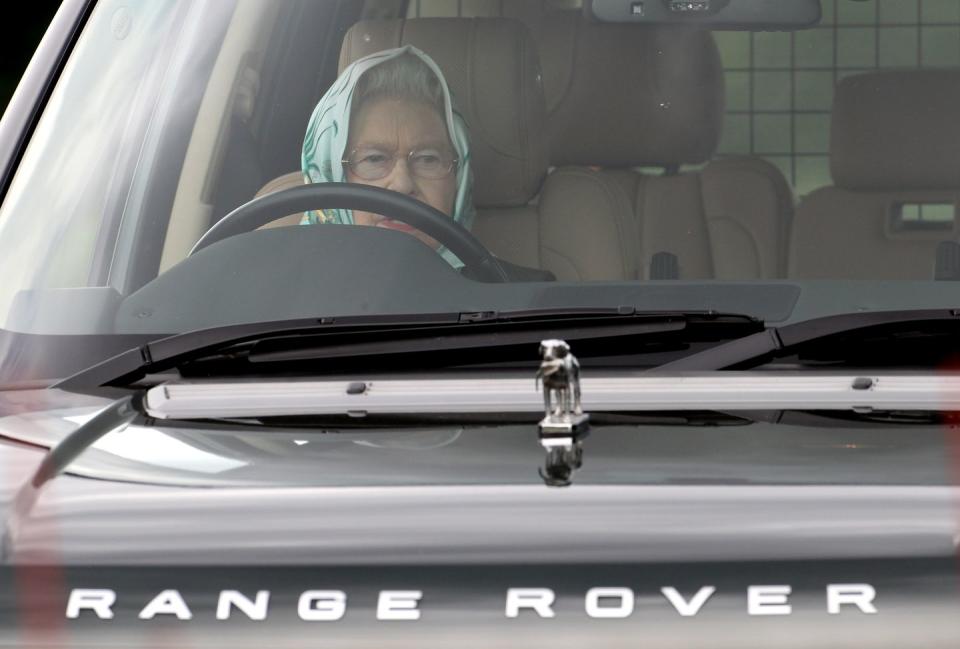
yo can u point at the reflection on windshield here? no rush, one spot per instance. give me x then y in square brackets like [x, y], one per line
[732, 162]
[61, 195]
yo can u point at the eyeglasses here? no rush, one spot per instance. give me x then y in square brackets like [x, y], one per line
[373, 164]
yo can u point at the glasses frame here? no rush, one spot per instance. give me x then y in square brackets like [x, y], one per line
[454, 164]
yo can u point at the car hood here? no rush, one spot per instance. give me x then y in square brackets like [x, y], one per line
[668, 487]
[460, 516]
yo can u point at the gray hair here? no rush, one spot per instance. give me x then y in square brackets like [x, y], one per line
[403, 77]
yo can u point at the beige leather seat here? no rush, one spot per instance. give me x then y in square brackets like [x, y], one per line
[893, 150]
[662, 107]
[285, 181]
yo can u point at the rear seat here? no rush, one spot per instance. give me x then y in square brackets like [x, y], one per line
[893, 147]
[662, 108]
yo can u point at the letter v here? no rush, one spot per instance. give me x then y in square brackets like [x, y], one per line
[685, 608]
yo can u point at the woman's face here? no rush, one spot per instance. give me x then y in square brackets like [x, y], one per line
[396, 127]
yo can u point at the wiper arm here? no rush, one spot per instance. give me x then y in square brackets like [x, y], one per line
[775, 342]
[119, 413]
[367, 336]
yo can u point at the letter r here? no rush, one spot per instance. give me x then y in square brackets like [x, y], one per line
[859, 595]
[538, 599]
[98, 600]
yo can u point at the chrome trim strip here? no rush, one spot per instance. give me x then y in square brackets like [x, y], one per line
[221, 399]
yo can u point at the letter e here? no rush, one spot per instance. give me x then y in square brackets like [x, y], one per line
[768, 600]
[398, 605]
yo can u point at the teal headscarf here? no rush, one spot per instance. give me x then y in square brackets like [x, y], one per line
[326, 140]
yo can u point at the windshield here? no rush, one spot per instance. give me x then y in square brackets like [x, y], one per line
[558, 161]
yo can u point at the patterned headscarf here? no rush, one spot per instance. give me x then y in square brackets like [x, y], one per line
[326, 139]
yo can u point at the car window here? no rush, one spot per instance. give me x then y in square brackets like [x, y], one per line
[591, 164]
[66, 187]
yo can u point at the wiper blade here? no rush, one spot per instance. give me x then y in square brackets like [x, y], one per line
[166, 351]
[369, 336]
[869, 327]
[496, 333]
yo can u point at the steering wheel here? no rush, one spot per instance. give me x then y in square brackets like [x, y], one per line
[352, 196]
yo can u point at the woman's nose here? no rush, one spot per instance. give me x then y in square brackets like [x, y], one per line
[400, 179]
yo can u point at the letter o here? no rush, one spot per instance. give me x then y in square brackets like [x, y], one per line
[622, 609]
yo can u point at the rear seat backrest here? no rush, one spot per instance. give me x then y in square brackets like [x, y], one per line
[620, 97]
[894, 143]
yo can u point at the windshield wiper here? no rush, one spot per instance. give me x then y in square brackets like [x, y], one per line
[119, 413]
[919, 337]
[476, 337]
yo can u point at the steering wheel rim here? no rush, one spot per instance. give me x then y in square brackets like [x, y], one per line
[354, 196]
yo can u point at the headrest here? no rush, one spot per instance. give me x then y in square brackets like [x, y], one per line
[621, 95]
[897, 131]
[493, 71]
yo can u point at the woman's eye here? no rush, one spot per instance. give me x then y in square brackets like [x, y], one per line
[428, 158]
[374, 158]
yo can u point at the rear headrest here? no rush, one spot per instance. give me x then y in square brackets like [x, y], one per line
[897, 131]
[493, 71]
[623, 96]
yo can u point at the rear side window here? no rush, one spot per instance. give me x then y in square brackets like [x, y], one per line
[780, 84]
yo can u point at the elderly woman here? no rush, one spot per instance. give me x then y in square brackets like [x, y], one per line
[389, 121]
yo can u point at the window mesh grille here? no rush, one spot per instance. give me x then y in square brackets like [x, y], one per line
[780, 84]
